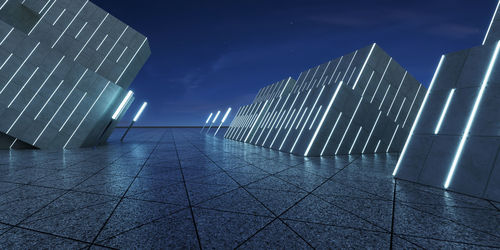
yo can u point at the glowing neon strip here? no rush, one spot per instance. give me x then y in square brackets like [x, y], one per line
[1, 7]
[323, 118]
[249, 119]
[286, 117]
[315, 117]
[41, 86]
[91, 107]
[123, 52]
[208, 119]
[112, 48]
[472, 116]
[385, 95]
[291, 126]
[81, 29]
[383, 75]
[392, 139]
[136, 117]
[399, 111]
[264, 125]
[70, 115]
[290, 118]
[397, 92]
[91, 36]
[245, 120]
[72, 20]
[6, 60]
[19, 68]
[122, 105]
[301, 118]
[371, 132]
[261, 123]
[13, 143]
[363, 67]
[40, 12]
[418, 116]
[355, 140]
[331, 133]
[233, 123]
[41, 18]
[445, 110]
[216, 116]
[352, 73]
[100, 44]
[348, 67]
[336, 79]
[240, 118]
[48, 100]
[273, 119]
[335, 71]
[378, 144]
[24, 85]
[256, 120]
[412, 103]
[349, 125]
[491, 23]
[322, 75]
[223, 120]
[57, 19]
[145, 39]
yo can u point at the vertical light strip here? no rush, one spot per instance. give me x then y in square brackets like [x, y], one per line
[44, 6]
[301, 118]
[348, 67]
[322, 75]
[308, 117]
[284, 120]
[13, 143]
[143, 42]
[19, 68]
[216, 116]
[392, 139]
[335, 70]
[323, 118]
[412, 103]
[397, 92]
[385, 95]
[57, 19]
[291, 126]
[371, 132]
[48, 100]
[290, 118]
[86, 114]
[123, 52]
[491, 23]
[383, 75]
[399, 111]
[71, 22]
[363, 67]
[315, 117]
[91, 36]
[256, 120]
[415, 122]
[249, 120]
[472, 116]
[276, 115]
[222, 121]
[349, 125]
[264, 125]
[352, 73]
[112, 48]
[81, 29]
[1, 7]
[330, 135]
[378, 144]
[103, 40]
[445, 110]
[355, 140]
[6, 60]
[122, 105]
[24, 85]
[36, 93]
[41, 18]
[71, 114]
[208, 119]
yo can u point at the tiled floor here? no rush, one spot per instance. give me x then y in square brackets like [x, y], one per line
[177, 188]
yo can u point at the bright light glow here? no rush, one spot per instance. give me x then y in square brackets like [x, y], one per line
[103, 40]
[91, 36]
[309, 116]
[385, 95]
[323, 118]
[335, 71]
[355, 140]
[40, 12]
[286, 117]
[48, 100]
[19, 68]
[120, 57]
[445, 110]
[472, 116]
[36, 93]
[364, 65]
[412, 103]
[86, 114]
[122, 105]
[489, 27]
[216, 116]
[71, 22]
[19, 92]
[112, 48]
[383, 75]
[71, 114]
[348, 126]
[291, 125]
[301, 117]
[1, 7]
[330, 135]
[81, 29]
[290, 118]
[208, 119]
[57, 19]
[378, 144]
[352, 73]
[136, 117]
[350, 63]
[371, 132]
[418, 117]
[6, 60]
[397, 92]
[256, 120]
[315, 117]
[400, 108]
[124, 70]
[41, 18]
[13, 143]
[392, 139]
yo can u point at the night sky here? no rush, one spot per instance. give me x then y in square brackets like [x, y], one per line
[209, 55]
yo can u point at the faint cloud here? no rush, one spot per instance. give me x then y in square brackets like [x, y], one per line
[454, 30]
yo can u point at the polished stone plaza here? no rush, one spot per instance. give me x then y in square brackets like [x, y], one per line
[177, 188]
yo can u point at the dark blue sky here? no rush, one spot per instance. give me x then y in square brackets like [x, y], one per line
[208, 55]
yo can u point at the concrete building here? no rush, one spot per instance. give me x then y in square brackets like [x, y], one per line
[65, 67]
[363, 102]
[455, 141]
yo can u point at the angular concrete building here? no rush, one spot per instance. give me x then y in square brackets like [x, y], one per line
[455, 141]
[363, 102]
[65, 67]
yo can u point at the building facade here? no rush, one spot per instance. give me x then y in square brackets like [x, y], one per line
[362, 102]
[65, 67]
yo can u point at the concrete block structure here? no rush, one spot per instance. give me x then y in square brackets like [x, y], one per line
[65, 67]
[455, 141]
[363, 102]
